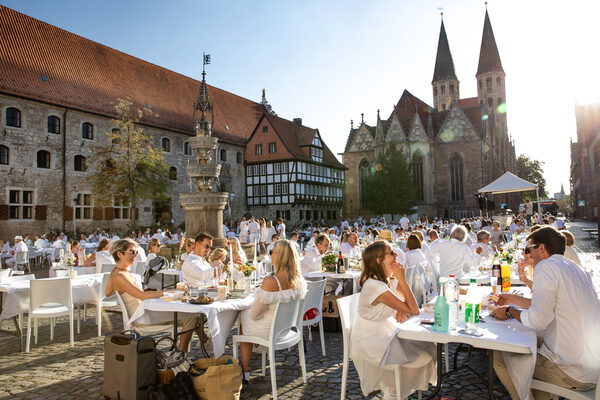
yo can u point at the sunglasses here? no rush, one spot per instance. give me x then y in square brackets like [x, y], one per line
[532, 246]
[132, 252]
[207, 247]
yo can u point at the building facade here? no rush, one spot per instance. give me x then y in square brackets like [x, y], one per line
[454, 147]
[57, 97]
[585, 162]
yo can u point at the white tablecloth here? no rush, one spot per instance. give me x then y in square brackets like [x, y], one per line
[220, 315]
[16, 294]
[518, 343]
[484, 278]
[350, 274]
[80, 270]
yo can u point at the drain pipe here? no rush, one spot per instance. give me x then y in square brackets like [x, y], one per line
[64, 167]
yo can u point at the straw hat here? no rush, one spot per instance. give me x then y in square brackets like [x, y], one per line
[386, 235]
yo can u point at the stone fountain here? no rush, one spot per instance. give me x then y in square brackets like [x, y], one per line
[204, 206]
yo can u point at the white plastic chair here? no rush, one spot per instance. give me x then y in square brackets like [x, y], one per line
[106, 268]
[140, 268]
[143, 330]
[49, 298]
[314, 299]
[101, 259]
[4, 273]
[347, 307]
[285, 332]
[15, 278]
[21, 258]
[103, 301]
[593, 394]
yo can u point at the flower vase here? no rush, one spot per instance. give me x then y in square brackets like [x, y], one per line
[246, 285]
[72, 273]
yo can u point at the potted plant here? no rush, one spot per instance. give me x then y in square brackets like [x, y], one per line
[329, 262]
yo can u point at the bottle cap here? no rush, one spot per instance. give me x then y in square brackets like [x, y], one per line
[451, 275]
[473, 280]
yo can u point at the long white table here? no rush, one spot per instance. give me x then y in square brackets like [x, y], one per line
[518, 342]
[349, 274]
[220, 315]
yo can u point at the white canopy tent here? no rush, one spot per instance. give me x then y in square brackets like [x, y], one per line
[510, 183]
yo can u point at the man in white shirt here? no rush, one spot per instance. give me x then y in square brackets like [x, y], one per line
[455, 255]
[483, 239]
[196, 269]
[281, 228]
[243, 230]
[350, 247]
[434, 238]
[274, 238]
[253, 229]
[564, 308]
[159, 236]
[311, 242]
[312, 257]
[294, 240]
[404, 222]
[19, 246]
[40, 242]
[63, 237]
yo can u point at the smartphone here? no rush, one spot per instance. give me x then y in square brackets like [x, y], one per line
[427, 322]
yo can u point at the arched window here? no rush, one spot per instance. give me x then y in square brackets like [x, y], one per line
[443, 89]
[364, 171]
[173, 173]
[498, 81]
[79, 163]
[417, 171]
[87, 131]
[451, 89]
[456, 178]
[43, 159]
[13, 117]
[488, 83]
[435, 91]
[4, 155]
[490, 102]
[166, 144]
[480, 84]
[187, 150]
[53, 124]
[223, 155]
[239, 157]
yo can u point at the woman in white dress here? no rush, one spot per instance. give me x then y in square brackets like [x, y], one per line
[285, 285]
[262, 237]
[385, 300]
[414, 255]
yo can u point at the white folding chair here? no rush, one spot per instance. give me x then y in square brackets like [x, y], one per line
[144, 330]
[21, 258]
[555, 391]
[286, 331]
[314, 299]
[103, 301]
[347, 307]
[49, 298]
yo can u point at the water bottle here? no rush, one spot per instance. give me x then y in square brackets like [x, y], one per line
[440, 320]
[452, 294]
[472, 307]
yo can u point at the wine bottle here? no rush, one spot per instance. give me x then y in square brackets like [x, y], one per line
[340, 264]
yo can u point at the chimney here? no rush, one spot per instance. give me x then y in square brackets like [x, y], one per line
[298, 121]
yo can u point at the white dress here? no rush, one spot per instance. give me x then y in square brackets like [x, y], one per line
[257, 320]
[373, 331]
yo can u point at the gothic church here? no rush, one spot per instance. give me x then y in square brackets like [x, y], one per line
[454, 147]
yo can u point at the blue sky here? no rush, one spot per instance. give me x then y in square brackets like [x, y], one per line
[329, 61]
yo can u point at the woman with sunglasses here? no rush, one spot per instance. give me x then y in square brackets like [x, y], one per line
[124, 252]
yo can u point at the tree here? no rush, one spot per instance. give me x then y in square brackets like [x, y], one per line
[532, 171]
[390, 188]
[129, 168]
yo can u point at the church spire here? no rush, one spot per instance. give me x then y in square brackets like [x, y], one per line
[444, 66]
[489, 57]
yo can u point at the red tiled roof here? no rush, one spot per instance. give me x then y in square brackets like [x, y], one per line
[468, 102]
[85, 75]
[407, 106]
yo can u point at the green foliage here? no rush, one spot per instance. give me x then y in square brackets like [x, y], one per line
[129, 166]
[390, 188]
[532, 171]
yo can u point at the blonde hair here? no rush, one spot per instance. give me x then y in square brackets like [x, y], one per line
[120, 245]
[217, 254]
[419, 235]
[287, 260]
[189, 242]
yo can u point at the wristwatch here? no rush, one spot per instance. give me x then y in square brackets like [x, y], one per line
[507, 312]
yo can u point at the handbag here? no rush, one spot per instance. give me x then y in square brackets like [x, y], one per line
[180, 388]
[217, 379]
[170, 362]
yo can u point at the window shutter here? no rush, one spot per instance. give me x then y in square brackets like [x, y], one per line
[97, 214]
[109, 213]
[3, 212]
[68, 213]
[41, 213]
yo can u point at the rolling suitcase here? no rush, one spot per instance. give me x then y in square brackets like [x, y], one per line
[129, 366]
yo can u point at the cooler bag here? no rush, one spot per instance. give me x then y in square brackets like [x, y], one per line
[129, 366]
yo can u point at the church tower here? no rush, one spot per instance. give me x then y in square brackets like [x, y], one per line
[491, 88]
[445, 84]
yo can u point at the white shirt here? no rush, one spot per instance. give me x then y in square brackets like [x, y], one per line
[455, 256]
[404, 223]
[159, 236]
[486, 249]
[311, 261]
[281, 230]
[351, 252]
[141, 256]
[20, 246]
[253, 227]
[196, 269]
[40, 243]
[565, 307]
[413, 258]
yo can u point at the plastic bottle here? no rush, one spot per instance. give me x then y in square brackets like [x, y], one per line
[472, 307]
[452, 294]
[505, 274]
[440, 321]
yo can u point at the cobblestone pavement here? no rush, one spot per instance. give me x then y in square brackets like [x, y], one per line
[55, 371]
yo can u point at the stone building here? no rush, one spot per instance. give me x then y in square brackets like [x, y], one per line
[585, 162]
[455, 147]
[57, 97]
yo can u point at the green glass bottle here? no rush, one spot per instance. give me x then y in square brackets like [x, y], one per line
[441, 311]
